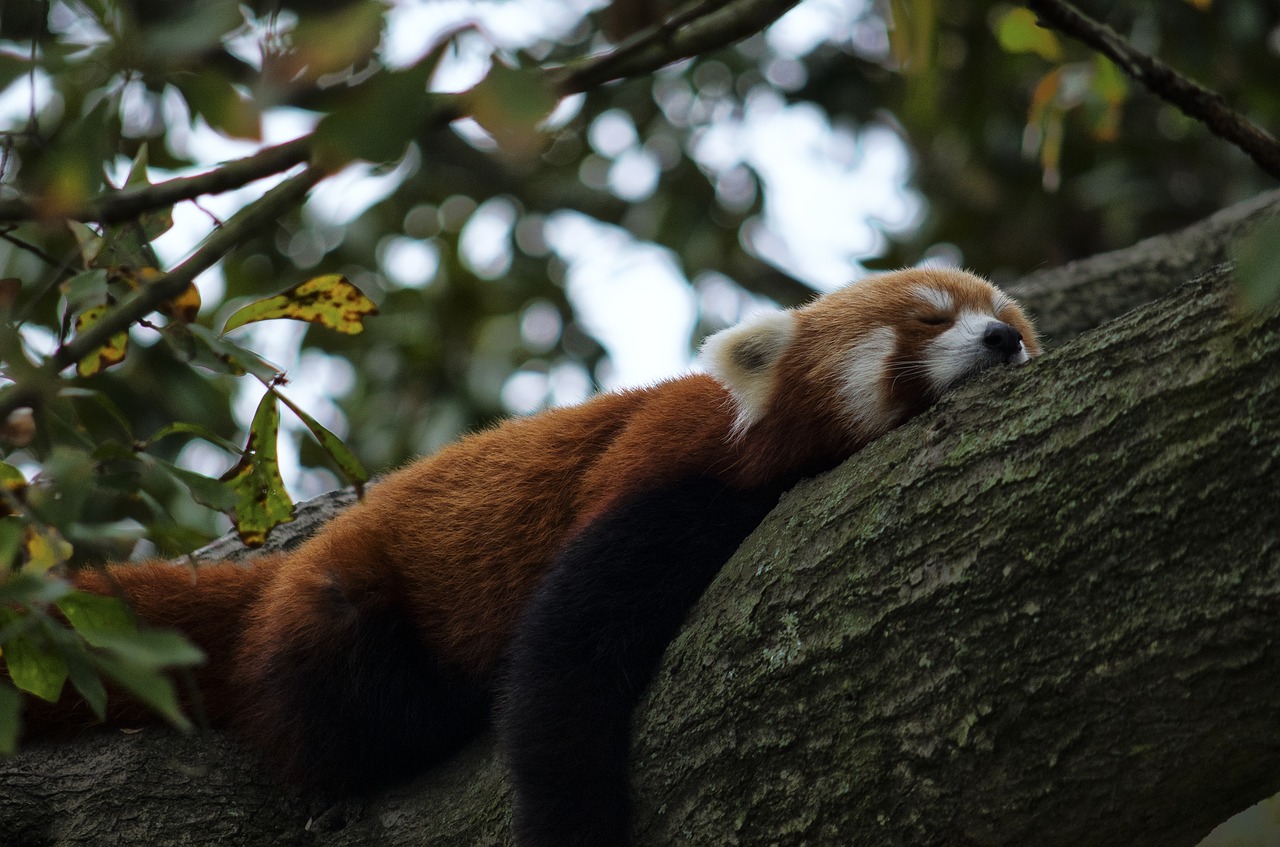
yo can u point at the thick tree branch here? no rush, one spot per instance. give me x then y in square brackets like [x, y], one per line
[1042, 613]
[1080, 295]
[1195, 100]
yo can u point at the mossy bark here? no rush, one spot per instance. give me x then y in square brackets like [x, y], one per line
[1045, 612]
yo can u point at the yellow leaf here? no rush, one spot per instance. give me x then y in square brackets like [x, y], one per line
[329, 300]
[45, 548]
[1019, 31]
[111, 353]
[1045, 92]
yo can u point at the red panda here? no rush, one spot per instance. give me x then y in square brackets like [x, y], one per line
[539, 569]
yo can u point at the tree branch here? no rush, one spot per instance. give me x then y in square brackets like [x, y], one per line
[696, 28]
[252, 219]
[1195, 100]
[128, 203]
[1080, 295]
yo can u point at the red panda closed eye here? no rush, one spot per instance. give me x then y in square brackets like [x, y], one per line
[542, 566]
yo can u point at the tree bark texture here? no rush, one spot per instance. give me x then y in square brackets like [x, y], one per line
[1044, 612]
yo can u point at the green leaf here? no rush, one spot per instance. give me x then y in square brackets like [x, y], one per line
[183, 428]
[154, 223]
[212, 96]
[328, 300]
[376, 120]
[96, 616]
[342, 456]
[511, 105]
[188, 31]
[12, 530]
[10, 718]
[35, 670]
[86, 290]
[239, 359]
[84, 678]
[33, 589]
[331, 42]
[1257, 258]
[1018, 32]
[103, 402]
[71, 472]
[146, 684]
[1108, 81]
[14, 622]
[150, 648]
[215, 494]
[262, 501]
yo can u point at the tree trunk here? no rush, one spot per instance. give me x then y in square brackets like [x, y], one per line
[1044, 612]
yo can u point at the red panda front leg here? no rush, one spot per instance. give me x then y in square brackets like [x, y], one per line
[588, 643]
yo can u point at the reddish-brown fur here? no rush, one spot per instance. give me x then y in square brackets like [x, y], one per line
[462, 538]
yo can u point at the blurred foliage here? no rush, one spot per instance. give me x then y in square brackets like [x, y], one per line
[1028, 149]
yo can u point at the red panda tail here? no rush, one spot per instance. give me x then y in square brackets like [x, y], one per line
[208, 605]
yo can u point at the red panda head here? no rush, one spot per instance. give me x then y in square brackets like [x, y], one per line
[868, 356]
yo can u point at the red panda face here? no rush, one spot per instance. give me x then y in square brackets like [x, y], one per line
[870, 355]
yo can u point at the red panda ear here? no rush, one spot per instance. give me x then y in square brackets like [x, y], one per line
[744, 358]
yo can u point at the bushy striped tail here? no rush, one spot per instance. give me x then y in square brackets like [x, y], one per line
[208, 605]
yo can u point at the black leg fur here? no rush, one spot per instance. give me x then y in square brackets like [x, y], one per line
[367, 708]
[588, 644]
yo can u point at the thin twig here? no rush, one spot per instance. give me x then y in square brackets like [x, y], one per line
[1195, 100]
[696, 29]
[34, 249]
[129, 203]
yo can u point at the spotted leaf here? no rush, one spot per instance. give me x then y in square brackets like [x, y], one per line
[261, 499]
[328, 300]
[111, 353]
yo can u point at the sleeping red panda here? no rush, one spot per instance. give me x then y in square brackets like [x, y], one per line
[541, 567]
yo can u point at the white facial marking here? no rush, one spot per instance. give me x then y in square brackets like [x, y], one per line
[956, 352]
[863, 377]
[940, 300]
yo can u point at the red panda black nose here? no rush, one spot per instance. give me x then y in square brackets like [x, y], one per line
[1002, 339]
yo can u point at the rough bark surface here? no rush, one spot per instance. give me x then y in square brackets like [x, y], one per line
[1080, 295]
[1045, 612]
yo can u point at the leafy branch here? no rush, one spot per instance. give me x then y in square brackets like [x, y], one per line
[698, 28]
[253, 218]
[1206, 106]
